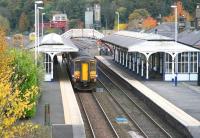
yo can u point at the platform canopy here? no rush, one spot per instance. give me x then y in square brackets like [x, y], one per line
[54, 43]
[147, 43]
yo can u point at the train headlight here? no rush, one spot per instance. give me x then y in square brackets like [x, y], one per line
[77, 74]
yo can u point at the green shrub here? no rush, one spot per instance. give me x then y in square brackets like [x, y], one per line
[27, 76]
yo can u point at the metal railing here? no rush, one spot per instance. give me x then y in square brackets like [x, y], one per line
[88, 33]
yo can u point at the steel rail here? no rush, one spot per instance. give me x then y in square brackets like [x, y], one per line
[107, 119]
[85, 112]
[142, 110]
[106, 116]
[134, 122]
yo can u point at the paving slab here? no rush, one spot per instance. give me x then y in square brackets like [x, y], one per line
[51, 94]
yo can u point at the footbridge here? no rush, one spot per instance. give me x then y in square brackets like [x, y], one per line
[85, 33]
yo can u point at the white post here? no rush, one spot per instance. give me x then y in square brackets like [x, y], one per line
[173, 59]
[116, 55]
[38, 30]
[38, 15]
[35, 34]
[161, 65]
[121, 56]
[126, 59]
[133, 59]
[123, 59]
[43, 24]
[176, 26]
[52, 66]
[147, 68]
[117, 20]
[130, 61]
[142, 69]
[137, 65]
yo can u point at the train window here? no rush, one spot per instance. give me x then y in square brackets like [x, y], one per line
[92, 65]
[77, 66]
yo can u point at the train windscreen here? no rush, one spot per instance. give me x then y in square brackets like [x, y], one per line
[92, 66]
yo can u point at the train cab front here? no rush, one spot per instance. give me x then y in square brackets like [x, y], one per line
[85, 75]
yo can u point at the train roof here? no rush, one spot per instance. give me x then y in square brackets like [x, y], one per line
[80, 56]
[84, 58]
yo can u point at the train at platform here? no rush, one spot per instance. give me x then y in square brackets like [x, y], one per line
[83, 71]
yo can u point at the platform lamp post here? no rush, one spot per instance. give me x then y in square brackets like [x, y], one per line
[176, 16]
[117, 20]
[176, 36]
[43, 24]
[36, 3]
[38, 35]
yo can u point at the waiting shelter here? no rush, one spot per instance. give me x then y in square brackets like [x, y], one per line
[154, 56]
[51, 45]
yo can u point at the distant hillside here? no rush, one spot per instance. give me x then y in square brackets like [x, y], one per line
[21, 12]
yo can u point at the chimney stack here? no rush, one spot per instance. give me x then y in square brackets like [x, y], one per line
[181, 23]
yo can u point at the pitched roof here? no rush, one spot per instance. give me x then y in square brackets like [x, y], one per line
[146, 43]
[54, 43]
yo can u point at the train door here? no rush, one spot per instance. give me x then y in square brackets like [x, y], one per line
[84, 71]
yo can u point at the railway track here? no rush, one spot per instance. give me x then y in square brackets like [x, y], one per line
[99, 124]
[144, 122]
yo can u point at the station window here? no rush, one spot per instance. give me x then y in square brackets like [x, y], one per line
[183, 62]
[193, 62]
[168, 63]
[47, 63]
[187, 62]
[77, 66]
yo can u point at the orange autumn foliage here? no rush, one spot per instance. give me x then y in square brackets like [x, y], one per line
[180, 12]
[149, 23]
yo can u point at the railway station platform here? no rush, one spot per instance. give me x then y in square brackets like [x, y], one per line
[65, 116]
[179, 105]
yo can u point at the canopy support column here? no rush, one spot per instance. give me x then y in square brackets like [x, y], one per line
[147, 69]
[52, 55]
[130, 61]
[117, 55]
[114, 53]
[126, 59]
[120, 57]
[133, 59]
[123, 58]
[173, 64]
[142, 69]
[147, 55]
[137, 59]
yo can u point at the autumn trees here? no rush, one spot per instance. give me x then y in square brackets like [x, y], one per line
[14, 11]
[4, 23]
[180, 11]
[18, 90]
[141, 19]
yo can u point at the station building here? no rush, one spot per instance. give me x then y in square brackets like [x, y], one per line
[153, 56]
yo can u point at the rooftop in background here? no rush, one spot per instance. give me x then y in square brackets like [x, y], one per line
[165, 29]
[189, 37]
[144, 36]
[146, 43]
